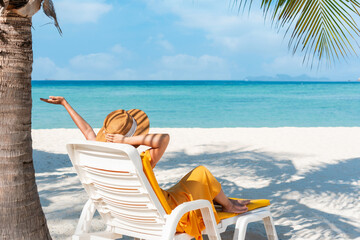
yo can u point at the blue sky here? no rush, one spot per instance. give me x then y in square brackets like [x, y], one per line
[165, 40]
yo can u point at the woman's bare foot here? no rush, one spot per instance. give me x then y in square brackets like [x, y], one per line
[236, 206]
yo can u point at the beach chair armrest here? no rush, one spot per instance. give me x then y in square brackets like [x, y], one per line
[207, 213]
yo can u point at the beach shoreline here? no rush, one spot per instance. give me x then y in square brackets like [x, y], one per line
[310, 175]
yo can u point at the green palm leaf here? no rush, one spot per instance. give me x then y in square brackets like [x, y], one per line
[322, 29]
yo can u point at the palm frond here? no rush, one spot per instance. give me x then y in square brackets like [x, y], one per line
[49, 11]
[322, 29]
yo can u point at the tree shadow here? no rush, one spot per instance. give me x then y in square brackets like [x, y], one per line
[61, 194]
[242, 173]
[273, 176]
[50, 162]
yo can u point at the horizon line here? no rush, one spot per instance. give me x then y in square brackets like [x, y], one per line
[245, 81]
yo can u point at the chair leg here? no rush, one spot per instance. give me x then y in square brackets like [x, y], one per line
[210, 224]
[240, 229]
[207, 214]
[86, 216]
[270, 228]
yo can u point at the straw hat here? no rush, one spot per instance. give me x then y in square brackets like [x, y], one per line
[128, 123]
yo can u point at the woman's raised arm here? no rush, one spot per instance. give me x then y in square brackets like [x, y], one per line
[157, 142]
[84, 127]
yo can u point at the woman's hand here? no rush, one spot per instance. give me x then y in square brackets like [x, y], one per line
[115, 138]
[54, 100]
[84, 127]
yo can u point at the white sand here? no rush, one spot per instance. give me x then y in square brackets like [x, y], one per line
[311, 175]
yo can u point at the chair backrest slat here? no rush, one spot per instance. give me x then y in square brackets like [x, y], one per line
[112, 176]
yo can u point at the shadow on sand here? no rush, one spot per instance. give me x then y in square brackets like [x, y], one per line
[294, 217]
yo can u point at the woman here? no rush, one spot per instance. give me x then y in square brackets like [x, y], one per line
[132, 127]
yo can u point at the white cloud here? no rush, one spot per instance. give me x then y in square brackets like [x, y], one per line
[121, 52]
[287, 64]
[81, 11]
[162, 42]
[45, 64]
[106, 66]
[45, 69]
[186, 67]
[247, 36]
[95, 61]
[93, 66]
[223, 25]
[118, 49]
[181, 61]
[240, 36]
[125, 74]
[165, 44]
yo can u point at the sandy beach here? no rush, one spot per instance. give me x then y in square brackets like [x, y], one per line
[311, 175]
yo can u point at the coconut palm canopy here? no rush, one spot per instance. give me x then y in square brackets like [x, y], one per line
[322, 29]
[29, 8]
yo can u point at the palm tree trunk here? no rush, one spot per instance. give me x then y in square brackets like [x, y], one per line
[21, 215]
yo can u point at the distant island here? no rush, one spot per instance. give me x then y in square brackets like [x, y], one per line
[287, 78]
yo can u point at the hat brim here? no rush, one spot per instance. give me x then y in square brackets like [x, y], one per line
[142, 121]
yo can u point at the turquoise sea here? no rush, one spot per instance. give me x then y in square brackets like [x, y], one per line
[205, 104]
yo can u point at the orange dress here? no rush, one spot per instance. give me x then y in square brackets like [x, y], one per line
[197, 184]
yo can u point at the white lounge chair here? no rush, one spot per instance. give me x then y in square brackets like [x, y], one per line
[112, 175]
